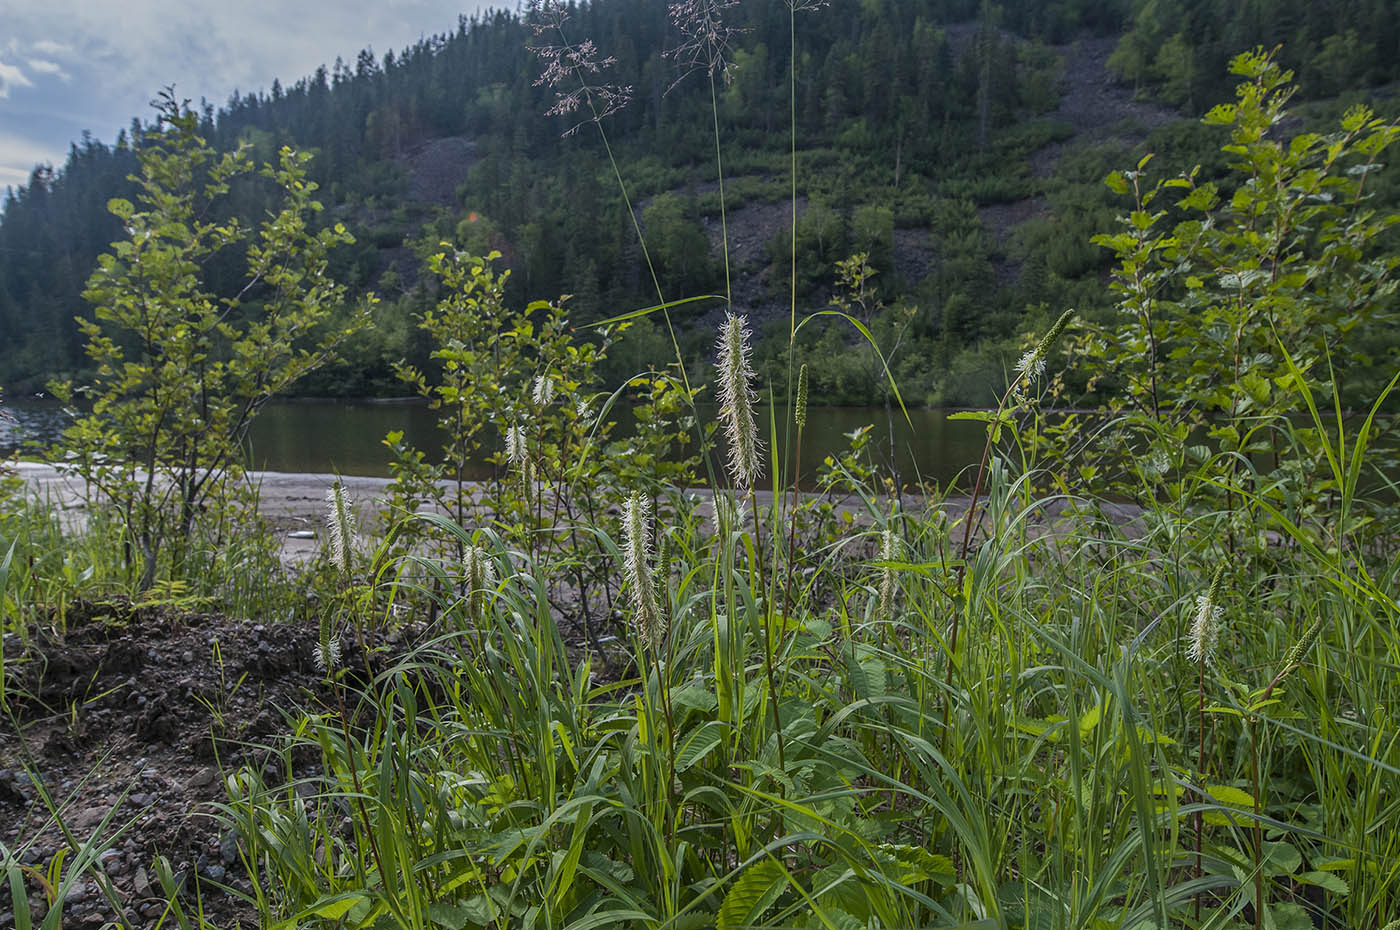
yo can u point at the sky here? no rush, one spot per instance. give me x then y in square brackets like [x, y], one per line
[69, 66]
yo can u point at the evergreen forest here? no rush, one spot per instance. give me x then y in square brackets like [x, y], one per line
[960, 145]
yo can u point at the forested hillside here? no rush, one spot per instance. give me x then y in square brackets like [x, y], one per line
[960, 144]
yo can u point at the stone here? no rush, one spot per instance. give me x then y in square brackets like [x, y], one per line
[203, 778]
[228, 848]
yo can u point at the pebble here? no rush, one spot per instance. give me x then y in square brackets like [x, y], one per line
[78, 892]
[228, 848]
[203, 777]
[114, 862]
[215, 873]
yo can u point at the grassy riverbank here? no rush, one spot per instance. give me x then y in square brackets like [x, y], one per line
[1129, 729]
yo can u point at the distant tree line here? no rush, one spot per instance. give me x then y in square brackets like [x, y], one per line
[913, 118]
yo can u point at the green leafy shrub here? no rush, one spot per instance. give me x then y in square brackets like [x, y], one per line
[182, 371]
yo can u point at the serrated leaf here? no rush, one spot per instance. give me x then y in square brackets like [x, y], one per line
[695, 697]
[480, 909]
[751, 895]
[1326, 881]
[448, 916]
[1287, 916]
[1281, 858]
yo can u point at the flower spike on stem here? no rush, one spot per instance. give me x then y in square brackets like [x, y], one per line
[737, 398]
[650, 625]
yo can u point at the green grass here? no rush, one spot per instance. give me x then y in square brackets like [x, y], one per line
[1052, 780]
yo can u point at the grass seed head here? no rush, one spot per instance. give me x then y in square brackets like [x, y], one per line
[544, 391]
[328, 653]
[1032, 365]
[637, 566]
[480, 577]
[515, 444]
[736, 399]
[799, 415]
[340, 522]
[889, 551]
[1205, 627]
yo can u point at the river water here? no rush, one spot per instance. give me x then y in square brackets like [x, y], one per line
[346, 437]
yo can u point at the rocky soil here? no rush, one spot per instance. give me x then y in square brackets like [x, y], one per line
[126, 724]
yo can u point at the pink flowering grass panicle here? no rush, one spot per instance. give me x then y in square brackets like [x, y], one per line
[705, 38]
[567, 64]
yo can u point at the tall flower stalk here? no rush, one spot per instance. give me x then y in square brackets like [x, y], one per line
[737, 398]
[704, 46]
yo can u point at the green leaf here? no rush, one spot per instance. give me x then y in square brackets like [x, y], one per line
[751, 895]
[1281, 859]
[1327, 881]
[1090, 720]
[480, 909]
[449, 916]
[867, 673]
[696, 697]
[18, 898]
[1228, 795]
[1287, 916]
[337, 907]
[569, 867]
[699, 744]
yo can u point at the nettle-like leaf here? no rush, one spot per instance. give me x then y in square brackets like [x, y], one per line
[754, 892]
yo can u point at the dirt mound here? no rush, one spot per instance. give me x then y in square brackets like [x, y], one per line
[129, 721]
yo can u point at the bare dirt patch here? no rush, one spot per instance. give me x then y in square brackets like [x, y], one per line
[129, 721]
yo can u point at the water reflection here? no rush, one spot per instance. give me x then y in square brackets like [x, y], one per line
[348, 436]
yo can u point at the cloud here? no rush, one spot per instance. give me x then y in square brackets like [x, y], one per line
[10, 77]
[112, 56]
[44, 66]
[50, 47]
[18, 156]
